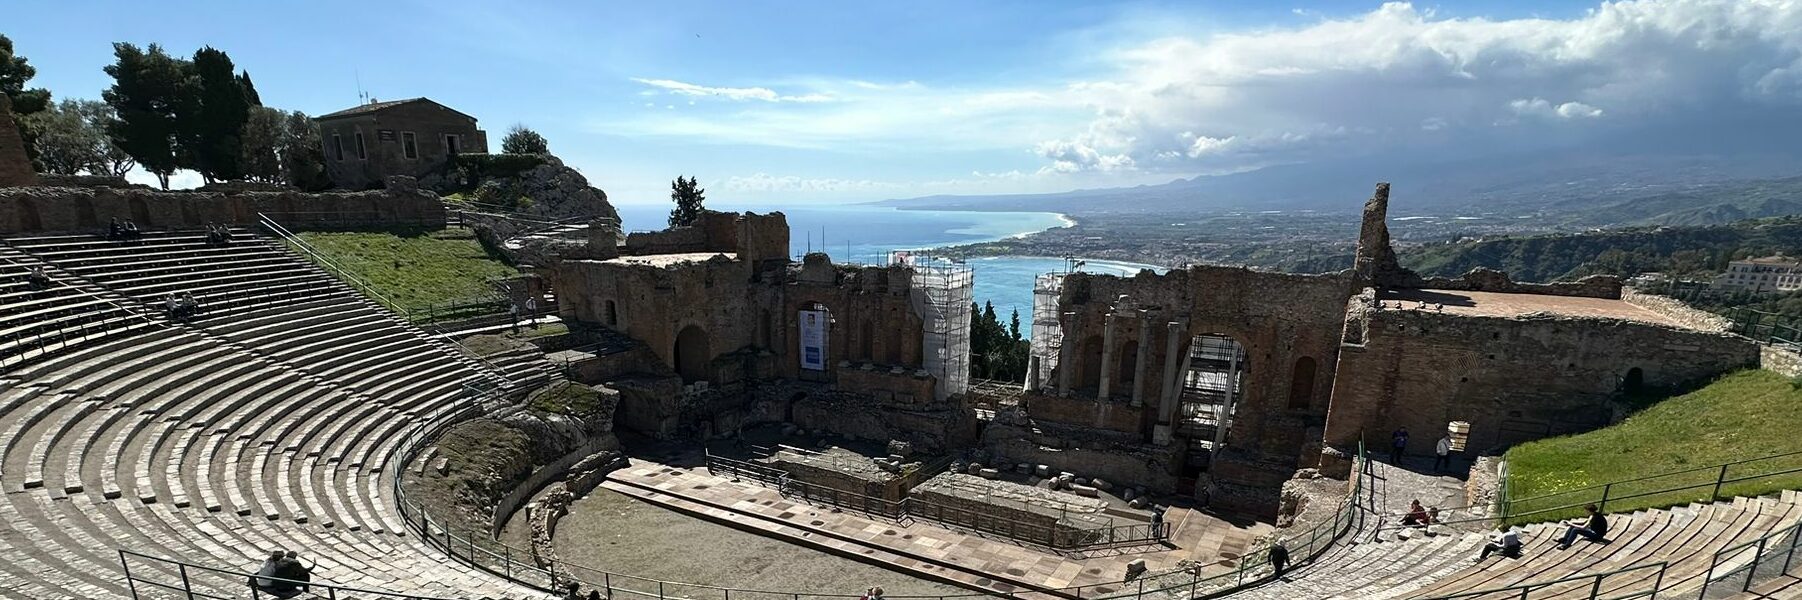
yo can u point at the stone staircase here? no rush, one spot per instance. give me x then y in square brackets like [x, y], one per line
[272, 421]
[1424, 566]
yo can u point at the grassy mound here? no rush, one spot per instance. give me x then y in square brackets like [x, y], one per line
[415, 269]
[566, 398]
[1672, 450]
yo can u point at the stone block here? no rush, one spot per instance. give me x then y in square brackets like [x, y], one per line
[1083, 490]
[1100, 484]
[989, 473]
[975, 468]
[1042, 470]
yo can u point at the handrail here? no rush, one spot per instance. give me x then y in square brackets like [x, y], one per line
[337, 269]
[1251, 572]
[1595, 588]
[130, 313]
[1510, 506]
[1665, 474]
[359, 284]
[1773, 542]
[238, 580]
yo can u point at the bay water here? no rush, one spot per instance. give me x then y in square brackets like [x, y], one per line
[863, 233]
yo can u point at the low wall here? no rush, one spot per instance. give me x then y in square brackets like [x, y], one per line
[1782, 360]
[1676, 310]
[46, 209]
[1113, 415]
[1490, 280]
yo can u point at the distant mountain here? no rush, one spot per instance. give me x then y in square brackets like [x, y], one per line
[1621, 252]
[1580, 188]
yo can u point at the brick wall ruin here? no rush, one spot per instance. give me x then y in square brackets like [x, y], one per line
[15, 164]
[40, 209]
[1513, 378]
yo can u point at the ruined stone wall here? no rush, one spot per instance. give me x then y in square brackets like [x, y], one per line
[1278, 318]
[15, 164]
[35, 209]
[888, 384]
[756, 238]
[1122, 460]
[1112, 415]
[1490, 280]
[654, 302]
[1782, 360]
[873, 319]
[1513, 379]
[930, 427]
[1676, 310]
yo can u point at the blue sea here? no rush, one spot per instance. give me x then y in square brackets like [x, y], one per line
[866, 234]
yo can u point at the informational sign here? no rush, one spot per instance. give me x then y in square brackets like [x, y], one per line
[813, 339]
[386, 135]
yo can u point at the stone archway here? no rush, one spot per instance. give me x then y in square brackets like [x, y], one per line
[1090, 362]
[692, 354]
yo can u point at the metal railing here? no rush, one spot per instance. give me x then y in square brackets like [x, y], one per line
[1255, 568]
[1701, 484]
[82, 327]
[1055, 531]
[1736, 568]
[359, 284]
[321, 259]
[1589, 587]
[163, 577]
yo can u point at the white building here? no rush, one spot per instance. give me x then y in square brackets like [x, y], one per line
[1768, 275]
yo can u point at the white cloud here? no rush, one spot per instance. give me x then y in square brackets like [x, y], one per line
[764, 182]
[729, 93]
[1396, 79]
[182, 179]
[1540, 107]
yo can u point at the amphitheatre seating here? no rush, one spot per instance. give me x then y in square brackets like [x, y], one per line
[269, 423]
[1685, 537]
[69, 313]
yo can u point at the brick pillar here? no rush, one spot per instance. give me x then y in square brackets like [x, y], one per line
[1144, 357]
[1066, 362]
[15, 166]
[1107, 357]
[1173, 373]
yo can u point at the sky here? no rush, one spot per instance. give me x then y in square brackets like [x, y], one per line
[825, 102]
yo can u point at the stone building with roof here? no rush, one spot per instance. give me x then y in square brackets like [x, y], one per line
[1767, 275]
[366, 143]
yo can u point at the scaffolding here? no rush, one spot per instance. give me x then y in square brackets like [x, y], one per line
[1213, 376]
[941, 295]
[1047, 333]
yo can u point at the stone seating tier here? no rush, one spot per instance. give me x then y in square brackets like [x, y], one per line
[269, 423]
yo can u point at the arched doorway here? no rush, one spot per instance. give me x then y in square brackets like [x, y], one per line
[1301, 383]
[692, 354]
[612, 314]
[1634, 382]
[1129, 368]
[1091, 363]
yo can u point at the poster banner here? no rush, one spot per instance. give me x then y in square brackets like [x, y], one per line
[813, 340]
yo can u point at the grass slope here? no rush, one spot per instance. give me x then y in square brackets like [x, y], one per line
[1676, 443]
[415, 268]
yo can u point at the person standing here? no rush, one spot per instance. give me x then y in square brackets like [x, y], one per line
[1398, 443]
[1442, 454]
[1279, 558]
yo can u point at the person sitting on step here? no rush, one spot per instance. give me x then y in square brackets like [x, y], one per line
[1594, 529]
[1417, 515]
[1506, 542]
[37, 280]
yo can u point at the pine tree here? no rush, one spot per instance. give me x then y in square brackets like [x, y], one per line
[688, 196]
[210, 122]
[147, 91]
[14, 72]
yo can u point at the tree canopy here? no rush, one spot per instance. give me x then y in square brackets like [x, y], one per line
[71, 139]
[522, 140]
[688, 196]
[147, 93]
[15, 71]
[997, 350]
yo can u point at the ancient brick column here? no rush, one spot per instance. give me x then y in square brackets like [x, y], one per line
[1144, 357]
[1107, 356]
[1175, 331]
[15, 166]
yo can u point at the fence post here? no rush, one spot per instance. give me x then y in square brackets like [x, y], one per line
[129, 582]
[1718, 480]
[1603, 507]
[1596, 590]
[1752, 567]
[186, 587]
